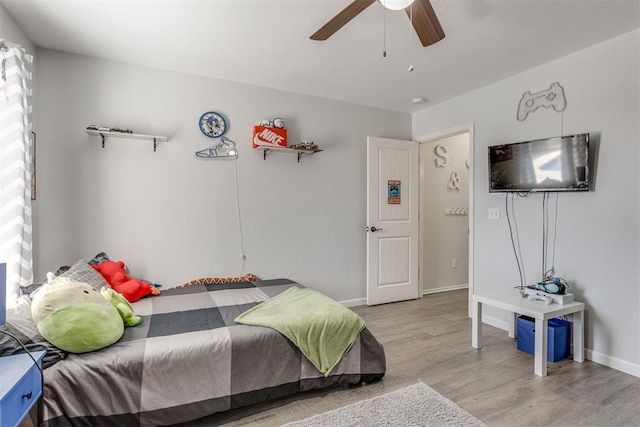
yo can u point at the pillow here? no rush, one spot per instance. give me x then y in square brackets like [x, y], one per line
[83, 272]
[30, 289]
[21, 326]
[249, 277]
[102, 257]
[98, 259]
[62, 269]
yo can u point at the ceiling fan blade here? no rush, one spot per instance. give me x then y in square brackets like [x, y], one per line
[425, 22]
[338, 21]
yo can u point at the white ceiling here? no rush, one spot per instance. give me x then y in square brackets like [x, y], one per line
[266, 42]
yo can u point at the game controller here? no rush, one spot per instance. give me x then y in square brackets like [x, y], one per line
[552, 97]
[547, 299]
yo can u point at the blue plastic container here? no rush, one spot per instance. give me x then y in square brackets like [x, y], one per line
[557, 337]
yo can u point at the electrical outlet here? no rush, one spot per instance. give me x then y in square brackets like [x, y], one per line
[494, 214]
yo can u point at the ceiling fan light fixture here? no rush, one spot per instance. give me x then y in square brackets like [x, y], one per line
[423, 19]
[396, 4]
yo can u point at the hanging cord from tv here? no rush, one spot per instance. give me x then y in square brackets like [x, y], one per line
[545, 231]
[515, 241]
[25, 350]
[548, 272]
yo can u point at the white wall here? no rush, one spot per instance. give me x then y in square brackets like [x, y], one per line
[172, 217]
[9, 30]
[598, 233]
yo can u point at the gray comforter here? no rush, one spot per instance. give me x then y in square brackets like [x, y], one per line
[189, 359]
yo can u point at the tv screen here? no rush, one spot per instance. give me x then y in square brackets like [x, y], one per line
[552, 164]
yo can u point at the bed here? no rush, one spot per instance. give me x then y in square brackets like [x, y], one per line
[189, 359]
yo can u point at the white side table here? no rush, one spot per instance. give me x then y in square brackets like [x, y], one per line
[511, 300]
[20, 386]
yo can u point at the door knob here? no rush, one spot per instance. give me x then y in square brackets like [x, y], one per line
[374, 229]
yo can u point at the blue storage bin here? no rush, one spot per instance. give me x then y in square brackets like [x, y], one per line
[557, 337]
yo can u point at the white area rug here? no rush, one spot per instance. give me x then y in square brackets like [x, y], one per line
[416, 405]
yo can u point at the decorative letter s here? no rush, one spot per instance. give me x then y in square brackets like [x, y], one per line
[443, 157]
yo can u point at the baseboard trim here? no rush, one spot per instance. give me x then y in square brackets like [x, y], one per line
[495, 322]
[594, 356]
[354, 302]
[363, 301]
[612, 362]
[445, 289]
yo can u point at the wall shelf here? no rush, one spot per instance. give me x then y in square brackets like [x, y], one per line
[299, 152]
[124, 135]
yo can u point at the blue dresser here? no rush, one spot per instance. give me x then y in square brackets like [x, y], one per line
[20, 387]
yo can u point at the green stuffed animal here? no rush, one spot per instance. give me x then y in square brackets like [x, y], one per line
[74, 316]
[122, 305]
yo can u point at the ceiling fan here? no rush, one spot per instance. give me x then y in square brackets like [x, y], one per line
[423, 18]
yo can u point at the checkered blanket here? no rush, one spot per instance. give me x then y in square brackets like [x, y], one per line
[189, 359]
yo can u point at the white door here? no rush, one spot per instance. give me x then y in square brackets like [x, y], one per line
[392, 220]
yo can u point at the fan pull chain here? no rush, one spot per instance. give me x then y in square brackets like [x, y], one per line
[410, 37]
[384, 32]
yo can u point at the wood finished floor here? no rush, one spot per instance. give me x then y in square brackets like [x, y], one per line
[430, 340]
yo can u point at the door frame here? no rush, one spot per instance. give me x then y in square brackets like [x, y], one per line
[457, 130]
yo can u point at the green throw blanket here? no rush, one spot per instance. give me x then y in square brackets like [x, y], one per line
[323, 329]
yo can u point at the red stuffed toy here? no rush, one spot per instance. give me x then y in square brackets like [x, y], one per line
[132, 289]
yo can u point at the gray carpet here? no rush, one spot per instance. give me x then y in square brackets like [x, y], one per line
[416, 405]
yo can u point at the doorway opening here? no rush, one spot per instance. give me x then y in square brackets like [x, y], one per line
[446, 211]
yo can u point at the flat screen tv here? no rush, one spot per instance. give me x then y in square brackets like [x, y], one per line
[551, 164]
